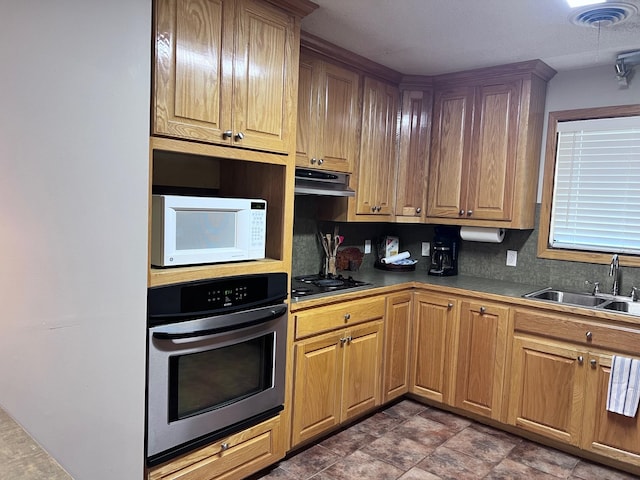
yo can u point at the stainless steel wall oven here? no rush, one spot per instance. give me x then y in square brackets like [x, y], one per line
[216, 360]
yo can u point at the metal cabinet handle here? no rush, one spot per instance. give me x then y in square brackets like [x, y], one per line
[227, 134]
[589, 336]
[593, 362]
[450, 306]
[373, 209]
[461, 212]
[379, 208]
[224, 446]
[580, 359]
[347, 316]
[418, 210]
[313, 161]
[469, 213]
[320, 161]
[239, 136]
[343, 340]
[349, 339]
[482, 310]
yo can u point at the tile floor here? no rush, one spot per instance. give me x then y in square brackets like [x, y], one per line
[410, 441]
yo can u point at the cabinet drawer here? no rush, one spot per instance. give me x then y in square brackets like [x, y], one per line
[581, 331]
[324, 319]
[234, 457]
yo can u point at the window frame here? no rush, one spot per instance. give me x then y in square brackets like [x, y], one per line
[544, 249]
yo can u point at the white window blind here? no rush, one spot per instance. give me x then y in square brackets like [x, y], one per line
[596, 193]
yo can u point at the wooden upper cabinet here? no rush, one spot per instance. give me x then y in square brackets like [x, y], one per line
[225, 73]
[375, 189]
[485, 146]
[473, 153]
[413, 157]
[328, 115]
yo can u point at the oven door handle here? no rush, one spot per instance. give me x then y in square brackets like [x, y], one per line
[211, 325]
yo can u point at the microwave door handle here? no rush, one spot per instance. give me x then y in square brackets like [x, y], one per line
[210, 325]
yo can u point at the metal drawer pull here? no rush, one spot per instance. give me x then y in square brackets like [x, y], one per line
[347, 316]
[580, 359]
[482, 310]
[227, 134]
[224, 446]
[593, 363]
[589, 336]
[450, 306]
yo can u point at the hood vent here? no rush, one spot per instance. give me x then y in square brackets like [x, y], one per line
[322, 182]
[603, 15]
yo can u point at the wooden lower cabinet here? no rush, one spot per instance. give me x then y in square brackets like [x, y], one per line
[432, 353]
[232, 458]
[337, 376]
[603, 432]
[547, 385]
[481, 358]
[397, 333]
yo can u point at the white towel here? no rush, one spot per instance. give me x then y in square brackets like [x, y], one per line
[624, 386]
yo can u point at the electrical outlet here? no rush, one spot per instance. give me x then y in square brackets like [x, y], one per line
[512, 258]
[426, 249]
[367, 246]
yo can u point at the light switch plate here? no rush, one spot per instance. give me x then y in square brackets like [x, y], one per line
[512, 258]
[426, 249]
[367, 246]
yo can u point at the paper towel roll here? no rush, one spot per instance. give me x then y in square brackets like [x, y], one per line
[482, 234]
[395, 258]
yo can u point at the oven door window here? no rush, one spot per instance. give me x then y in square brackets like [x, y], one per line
[204, 381]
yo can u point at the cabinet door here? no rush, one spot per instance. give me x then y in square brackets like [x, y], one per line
[492, 162]
[397, 331]
[413, 158]
[452, 114]
[433, 360]
[547, 383]
[481, 358]
[361, 386]
[339, 129]
[192, 77]
[307, 131]
[264, 82]
[317, 386]
[377, 170]
[328, 116]
[606, 433]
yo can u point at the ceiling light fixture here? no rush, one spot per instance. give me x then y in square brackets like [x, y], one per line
[582, 3]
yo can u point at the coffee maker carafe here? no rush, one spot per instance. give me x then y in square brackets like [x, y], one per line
[444, 257]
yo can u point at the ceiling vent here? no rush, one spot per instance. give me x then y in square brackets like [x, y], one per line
[603, 15]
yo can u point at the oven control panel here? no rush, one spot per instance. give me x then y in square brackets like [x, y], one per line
[215, 296]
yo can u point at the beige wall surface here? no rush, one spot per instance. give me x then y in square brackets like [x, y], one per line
[585, 88]
[74, 129]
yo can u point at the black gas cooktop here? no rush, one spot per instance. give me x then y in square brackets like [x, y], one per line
[306, 285]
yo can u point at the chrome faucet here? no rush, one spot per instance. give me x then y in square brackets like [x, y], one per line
[614, 271]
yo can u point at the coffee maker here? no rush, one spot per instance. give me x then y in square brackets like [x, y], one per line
[444, 253]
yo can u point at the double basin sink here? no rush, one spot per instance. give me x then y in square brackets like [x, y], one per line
[599, 301]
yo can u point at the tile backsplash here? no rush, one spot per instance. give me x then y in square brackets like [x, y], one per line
[475, 258]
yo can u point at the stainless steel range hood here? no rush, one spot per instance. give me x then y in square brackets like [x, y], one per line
[322, 182]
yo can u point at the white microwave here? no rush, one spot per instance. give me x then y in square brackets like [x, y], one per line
[188, 230]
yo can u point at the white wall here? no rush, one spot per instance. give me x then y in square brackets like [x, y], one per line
[74, 129]
[589, 87]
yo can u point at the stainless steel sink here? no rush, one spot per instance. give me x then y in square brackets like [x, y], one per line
[571, 298]
[632, 308]
[599, 301]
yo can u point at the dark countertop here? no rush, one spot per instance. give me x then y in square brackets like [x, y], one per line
[21, 458]
[384, 280]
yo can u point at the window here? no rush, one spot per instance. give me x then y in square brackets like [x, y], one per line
[591, 194]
